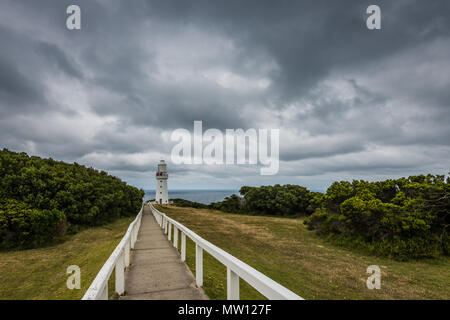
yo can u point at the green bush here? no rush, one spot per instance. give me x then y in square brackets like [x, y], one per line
[275, 200]
[22, 226]
[86, 196]
[186, 203]
[232, 204]
[404, 218]
[270, 200]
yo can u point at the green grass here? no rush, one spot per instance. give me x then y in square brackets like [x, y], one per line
[284, 250]
[41, 273]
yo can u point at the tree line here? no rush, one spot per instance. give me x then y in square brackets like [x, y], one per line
[42, 199]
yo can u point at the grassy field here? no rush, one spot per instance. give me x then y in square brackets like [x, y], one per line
[284, 250]
[41, 273]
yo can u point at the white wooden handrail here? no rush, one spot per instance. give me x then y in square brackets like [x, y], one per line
[236, 269]
[118, 260]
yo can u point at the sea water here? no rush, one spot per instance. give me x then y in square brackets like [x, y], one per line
[202, 196]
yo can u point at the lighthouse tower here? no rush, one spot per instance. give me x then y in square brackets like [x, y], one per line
[162, 194]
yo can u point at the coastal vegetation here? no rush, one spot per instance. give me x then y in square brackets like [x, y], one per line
[406, 218]
[42, 199]
[403, 218]
[187, 203]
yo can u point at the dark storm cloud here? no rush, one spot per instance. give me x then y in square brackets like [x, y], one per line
[15, 89]
[310, 38]
[23, 63]
[111, 93]
[18, 90]
[57, 58]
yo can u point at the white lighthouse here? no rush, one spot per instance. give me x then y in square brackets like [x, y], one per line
[162, 194]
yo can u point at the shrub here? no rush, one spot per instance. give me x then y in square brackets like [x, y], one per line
[404, 218]
[233, 204]
[86, 196]
[186, 203]
[23, 226]
[274, 200]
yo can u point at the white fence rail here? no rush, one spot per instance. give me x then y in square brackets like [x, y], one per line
[236, 269]
[119, 260]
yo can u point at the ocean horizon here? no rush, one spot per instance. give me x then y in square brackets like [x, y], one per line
[196, 195]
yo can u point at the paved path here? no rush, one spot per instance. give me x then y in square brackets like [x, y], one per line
[156, 271]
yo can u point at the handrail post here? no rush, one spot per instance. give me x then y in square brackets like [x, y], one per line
[175, 237]
[232, 285]
[120, 275]
[198, 265]
[126, 255]
[133, 236]
[183, 246]
[169, 235]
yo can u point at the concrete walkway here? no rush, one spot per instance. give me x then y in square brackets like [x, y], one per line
[156, 271]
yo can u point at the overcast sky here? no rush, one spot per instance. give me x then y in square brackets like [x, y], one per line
[350, 103]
